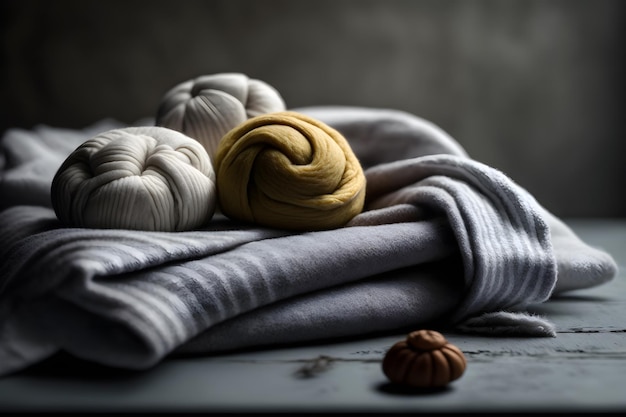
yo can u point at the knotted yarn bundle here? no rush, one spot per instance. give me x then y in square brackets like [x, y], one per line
[207, 107]
[142, 178]
[289, 171]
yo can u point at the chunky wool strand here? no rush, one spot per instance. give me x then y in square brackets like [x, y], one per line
[207, 107]
[142, 178]
[289, 171]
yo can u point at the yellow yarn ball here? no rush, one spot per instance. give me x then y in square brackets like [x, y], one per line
[289, 171]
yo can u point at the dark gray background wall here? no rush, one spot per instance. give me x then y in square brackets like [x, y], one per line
[534, 88]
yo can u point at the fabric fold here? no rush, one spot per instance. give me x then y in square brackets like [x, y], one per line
[162, 288]
[499, 229]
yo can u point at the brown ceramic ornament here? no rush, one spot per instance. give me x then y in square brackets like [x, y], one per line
[424, 360]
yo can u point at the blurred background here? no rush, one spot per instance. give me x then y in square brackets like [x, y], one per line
[532, 87]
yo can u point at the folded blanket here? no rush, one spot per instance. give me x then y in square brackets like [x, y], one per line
[444, 240]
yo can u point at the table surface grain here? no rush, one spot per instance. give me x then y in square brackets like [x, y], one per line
[583, 369]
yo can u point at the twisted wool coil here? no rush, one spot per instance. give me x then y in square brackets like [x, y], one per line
[289, 171]
[142, 178]
[207, 107]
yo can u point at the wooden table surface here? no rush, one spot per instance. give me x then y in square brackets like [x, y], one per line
[583, 369]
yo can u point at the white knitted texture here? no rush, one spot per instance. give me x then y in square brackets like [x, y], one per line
[142, 178]
[207, 107]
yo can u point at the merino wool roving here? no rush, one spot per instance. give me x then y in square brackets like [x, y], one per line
[142, 178]
[289, 171]
[207, 107]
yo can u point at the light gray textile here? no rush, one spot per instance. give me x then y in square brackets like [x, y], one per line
[509, 323]
[444, 239]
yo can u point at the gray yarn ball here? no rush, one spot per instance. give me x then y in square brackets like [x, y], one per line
[207, 107]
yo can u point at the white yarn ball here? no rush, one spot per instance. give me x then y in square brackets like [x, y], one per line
[142, 178]
[207, 107]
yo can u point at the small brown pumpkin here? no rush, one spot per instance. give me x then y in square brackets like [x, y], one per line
[424, 360]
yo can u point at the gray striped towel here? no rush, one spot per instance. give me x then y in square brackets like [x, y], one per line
[444, 241]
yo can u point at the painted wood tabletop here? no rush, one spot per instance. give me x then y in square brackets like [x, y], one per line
[583, 369]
